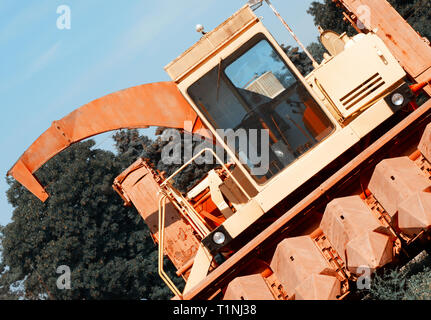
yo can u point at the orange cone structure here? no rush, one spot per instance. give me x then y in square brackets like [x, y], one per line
[395, 180]
[351, 228]
[294, 261]
[372, 250]
[251, 287]
[414, 214]
[400, 186]
[318, 287]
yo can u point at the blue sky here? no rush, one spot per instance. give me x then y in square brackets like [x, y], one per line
[45, 73]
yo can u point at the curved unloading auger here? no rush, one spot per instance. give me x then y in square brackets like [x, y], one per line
[155, 104]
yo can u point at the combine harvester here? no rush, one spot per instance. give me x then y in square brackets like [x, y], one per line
[348, 186]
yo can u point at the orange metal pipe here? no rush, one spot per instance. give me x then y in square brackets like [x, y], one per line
[415, 155]
[365, 195]
[416, 88]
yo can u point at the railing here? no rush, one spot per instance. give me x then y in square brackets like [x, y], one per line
[218, 160]
[162, 273]
[191, 214]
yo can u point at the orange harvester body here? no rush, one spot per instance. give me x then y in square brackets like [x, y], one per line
[235, 237]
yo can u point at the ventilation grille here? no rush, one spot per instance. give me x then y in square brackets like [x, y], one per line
[362, 91]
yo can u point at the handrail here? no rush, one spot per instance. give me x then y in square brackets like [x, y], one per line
[162, 207]
[218, 159]
[162, 273]
[196, 220]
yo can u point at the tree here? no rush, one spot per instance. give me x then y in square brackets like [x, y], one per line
[84, 226]
[329, 16]
[299, 59]
[412, 282]
[131, 145]
[9, 290]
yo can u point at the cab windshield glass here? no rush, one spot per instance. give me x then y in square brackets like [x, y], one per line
[256, 89]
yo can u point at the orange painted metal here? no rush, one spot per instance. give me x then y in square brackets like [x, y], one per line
[402, 187]
[415, 155]
[162, 104]
[425, 144]
[155, 104]
[418, 87]
[251, 287]
[414, 214]
[295, 262]
[371, 249]
[139, 184]
[247, 250]
[395, 180]
[204, 205]
[410, 49]
[352, 230]
[313, 122]
[318, 287]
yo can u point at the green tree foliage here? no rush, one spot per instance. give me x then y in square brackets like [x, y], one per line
[83, 225]
[141, 146]
[413, 282]
[299, 59]
[7, 291]
[329, 16]
[389, 286]
[419, 286]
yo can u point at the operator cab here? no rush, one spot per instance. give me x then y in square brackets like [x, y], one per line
[255, 89]
[240, 81]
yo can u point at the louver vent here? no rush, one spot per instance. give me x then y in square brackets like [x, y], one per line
[361, 92]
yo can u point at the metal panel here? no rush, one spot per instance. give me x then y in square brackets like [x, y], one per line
[138, 184]
[210, 42]
[251, 287]
[295, 260]
[349, 225]
[410, 49]
[395, 180]
[359, 74]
